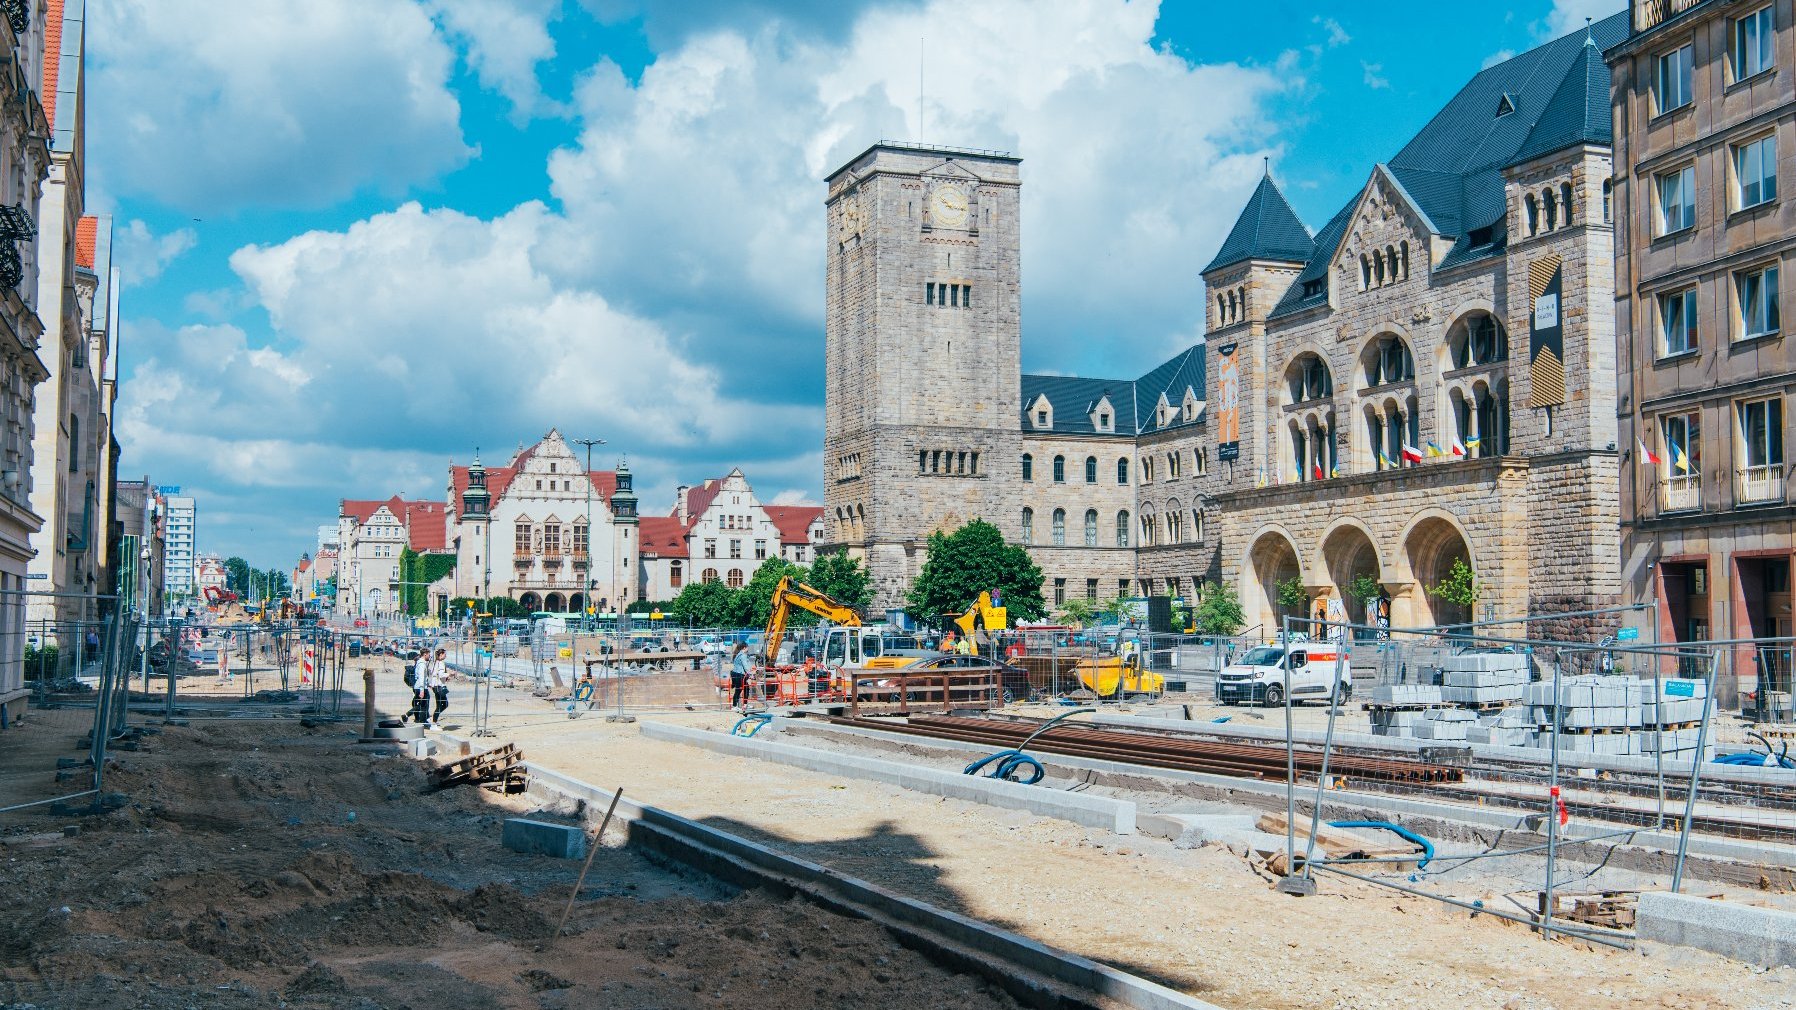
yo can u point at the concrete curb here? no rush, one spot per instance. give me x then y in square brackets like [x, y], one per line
[963, 943]
[1762, 936]
[1117, 816]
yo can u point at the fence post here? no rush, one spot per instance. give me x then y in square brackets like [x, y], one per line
[1702, 736]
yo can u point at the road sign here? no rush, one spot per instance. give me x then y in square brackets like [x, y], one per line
[1628, 635]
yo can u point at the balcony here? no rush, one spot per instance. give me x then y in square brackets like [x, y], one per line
[581, 561]
[1758, 485]
[1680, 494]
[1649, 14]
[522, 562]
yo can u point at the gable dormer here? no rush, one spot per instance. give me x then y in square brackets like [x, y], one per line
[1041, 414]
[1103, 416]
[1163, 412]
[1389, 237]
[1190, 406]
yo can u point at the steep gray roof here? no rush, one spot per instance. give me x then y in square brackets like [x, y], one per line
[1134, 400]
[1267, 229]
[1453, 167]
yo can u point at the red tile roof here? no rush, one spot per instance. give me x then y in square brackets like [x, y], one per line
[498, 478]
[425, 528]
[52, 57]
[793, 521]
[698, 499]
[362, 510]
[662, 536]
[304, 565]
[84, 241]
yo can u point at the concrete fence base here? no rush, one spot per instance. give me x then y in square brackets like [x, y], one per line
[1761, 936]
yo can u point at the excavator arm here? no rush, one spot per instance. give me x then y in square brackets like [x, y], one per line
[789, 594]
[983, 615]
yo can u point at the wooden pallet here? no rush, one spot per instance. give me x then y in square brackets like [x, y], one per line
[488, 767]
[1608, 909]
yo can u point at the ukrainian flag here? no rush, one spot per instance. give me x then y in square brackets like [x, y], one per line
[1472, 443]
[1435, 450]
[1678, 459]
[1385, 461]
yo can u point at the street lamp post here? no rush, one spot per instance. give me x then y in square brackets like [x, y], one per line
[591, 611]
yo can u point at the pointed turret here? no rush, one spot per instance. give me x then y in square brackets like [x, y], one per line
[476, 500]
[1268, 229]
[623, 501]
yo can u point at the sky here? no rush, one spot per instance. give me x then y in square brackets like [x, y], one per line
[363, 238]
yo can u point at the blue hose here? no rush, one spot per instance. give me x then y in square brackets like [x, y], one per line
[1010, 764]
[759, 719]
[1408, 835]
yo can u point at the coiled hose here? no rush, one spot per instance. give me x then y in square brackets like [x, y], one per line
[1012, 764]
[759, 719]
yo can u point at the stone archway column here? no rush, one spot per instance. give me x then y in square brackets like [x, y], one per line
[1407, 609]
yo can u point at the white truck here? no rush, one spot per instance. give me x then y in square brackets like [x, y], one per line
[1258, 677]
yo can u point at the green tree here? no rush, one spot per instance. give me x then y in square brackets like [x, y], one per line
[706, 605]
[1218, 610]
[237, 573]
[1292, 596]
[757, 597]
[1365, 588]
[274, 584]
[841, 575]
[1460, 587]
[504, 607]
[972, 559]
[1078, 610]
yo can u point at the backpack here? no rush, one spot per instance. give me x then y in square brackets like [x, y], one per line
[411, 677]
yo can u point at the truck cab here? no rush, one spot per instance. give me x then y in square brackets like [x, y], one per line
[875, 647]
[1258, 676]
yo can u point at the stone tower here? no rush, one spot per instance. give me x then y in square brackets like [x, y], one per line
[923, 351]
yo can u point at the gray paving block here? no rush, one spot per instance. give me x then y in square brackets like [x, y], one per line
[563, 841]
[1761, 936]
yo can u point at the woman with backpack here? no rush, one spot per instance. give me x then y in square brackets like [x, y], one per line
[439, 686]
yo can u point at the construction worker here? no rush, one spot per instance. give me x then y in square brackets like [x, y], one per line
[964, 647]
[948, 641]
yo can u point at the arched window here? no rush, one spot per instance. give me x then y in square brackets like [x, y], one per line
[1608, 200]
[1060, 469]
[1122, 470]
[1091, 469]
[1060, 527]
[1307, 379]
[735, 581]
[1533, 210]
[1403, 251]
[1028, 526]
[1565, 201]
[1232, 310]
[1551, 206]
[1365, 272]
[1122, 528]
[1175, 522]
[676, 574]
[1028, 466]
[1477, 339]
[1091, 527]
[1387, 360]
[1390, 263]
[1377, 269]
[1221, 312]
[710, 575]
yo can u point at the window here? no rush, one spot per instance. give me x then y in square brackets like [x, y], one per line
[1201, 458]
[1755, 172]
[1752, 44]
[1757, 294]
[1028, 526]
[1532, 207]
[735, 580]
[1388, 361]
[1197, 525]
[1028, 466]
[1091, 589]
[735, 550]
[1478, 339]
[1122, 470]
[552, 539]
[521, 537]
[1091, 469]
[1673, 85]
[1091, 527]
[1677, 322]
[1147, 469]
[1122, 528]
[676, 574]
[1059, 591]
[1041, 419]
[1059, 528]
[1104, 421]
[1308, 379]
[710, 548]
[1677, 200]
[1060, 469]
[1175, 524]
[1608, 200]
[710, 575]
[1681, 461]
[1172, 466]
[1761, 450]
[760, 550]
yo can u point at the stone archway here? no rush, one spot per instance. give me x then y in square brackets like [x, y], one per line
[1430, 547]
[1271, 559]
[553, 603]
[1348, 553]
[530, 602]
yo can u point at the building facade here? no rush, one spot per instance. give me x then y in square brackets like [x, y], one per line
[720, 532]
[1704, 102]
[141, 570]
[1420, 382]
[524, 530]
[372, 535]
[183, 525]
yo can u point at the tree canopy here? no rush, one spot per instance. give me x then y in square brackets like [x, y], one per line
[973, 559]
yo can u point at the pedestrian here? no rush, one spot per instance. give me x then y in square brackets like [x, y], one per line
[224, 665]
[439, 686]
[93, 644]
[419, 673]
[739, 677]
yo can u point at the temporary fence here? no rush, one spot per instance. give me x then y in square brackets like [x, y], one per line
[1587, 744]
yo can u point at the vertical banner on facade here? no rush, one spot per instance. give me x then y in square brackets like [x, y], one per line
[1228, 406]
[1546, 335]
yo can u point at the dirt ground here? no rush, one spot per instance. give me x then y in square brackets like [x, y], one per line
[262, 864]
[1201, 920]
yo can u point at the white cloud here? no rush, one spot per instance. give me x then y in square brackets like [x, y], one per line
[794, 496]
[1374, 75]
[505, 41]
[1136, 163]
[1337, 36]
[1500, 56]
[1568, 16]
[216, 106]
[141, 254]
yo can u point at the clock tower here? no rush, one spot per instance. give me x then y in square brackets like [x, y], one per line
[922, 340]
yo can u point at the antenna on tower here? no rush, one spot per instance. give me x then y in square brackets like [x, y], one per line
[922, 130]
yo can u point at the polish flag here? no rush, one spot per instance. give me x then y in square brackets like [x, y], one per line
[1458, 447]
[1647, 454]
[1318, 471]
[1411, 453]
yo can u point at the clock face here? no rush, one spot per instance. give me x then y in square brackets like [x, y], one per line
[948, 206]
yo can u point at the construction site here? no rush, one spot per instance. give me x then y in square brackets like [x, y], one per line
[1443, 827]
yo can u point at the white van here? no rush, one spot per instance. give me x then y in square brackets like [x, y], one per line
[1258, 677]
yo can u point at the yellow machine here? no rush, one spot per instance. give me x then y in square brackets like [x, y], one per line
[1103, 675]
[789, 594]
[982, 615]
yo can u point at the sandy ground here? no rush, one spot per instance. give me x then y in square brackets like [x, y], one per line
[262, 864]
[1201, 920]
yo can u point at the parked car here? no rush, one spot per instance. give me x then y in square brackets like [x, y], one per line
[1013, 681]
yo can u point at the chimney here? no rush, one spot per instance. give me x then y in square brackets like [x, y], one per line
[680, 511]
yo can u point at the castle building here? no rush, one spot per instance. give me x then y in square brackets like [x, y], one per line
[523, 530]
[1421, 381]
[1704, 102]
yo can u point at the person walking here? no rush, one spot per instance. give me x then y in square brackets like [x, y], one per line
[739, 677]
[439, 686]
[224, 664]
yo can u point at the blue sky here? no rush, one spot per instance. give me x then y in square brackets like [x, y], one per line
[364, 237]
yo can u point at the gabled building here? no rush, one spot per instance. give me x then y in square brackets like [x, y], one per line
[720, 532]
[372, 535]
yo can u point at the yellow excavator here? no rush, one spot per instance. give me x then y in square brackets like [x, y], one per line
[791, 593]
[850, 645]
[1108, 676]
[982, 615]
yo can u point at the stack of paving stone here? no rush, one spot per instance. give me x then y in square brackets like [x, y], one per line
[1510, 727]
[1396, 708]
[1443, 724]
[1675, 722]
[1484, 680]
[1595, 714]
